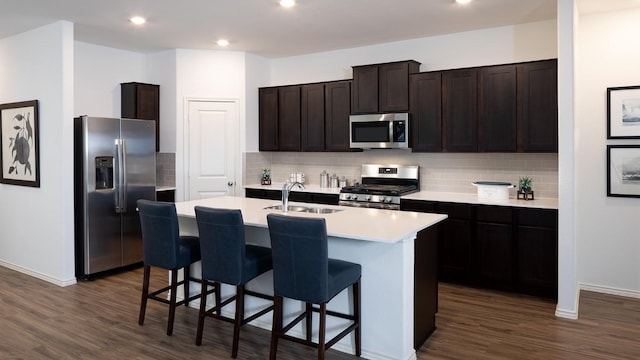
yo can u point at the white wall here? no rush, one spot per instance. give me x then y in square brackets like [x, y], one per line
[533, 41]
[205, 74]
[37, 223]
[257, 70]
[98, 72]
[607, 228]
[161, 70]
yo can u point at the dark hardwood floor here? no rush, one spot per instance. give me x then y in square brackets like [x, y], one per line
[98, 320]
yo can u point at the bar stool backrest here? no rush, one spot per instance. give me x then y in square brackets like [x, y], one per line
[222, 244]
[160, 233]
[300, 257]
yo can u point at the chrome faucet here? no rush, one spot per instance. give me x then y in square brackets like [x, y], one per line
[286, 188]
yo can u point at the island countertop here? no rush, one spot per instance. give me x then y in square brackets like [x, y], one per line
[366, 224]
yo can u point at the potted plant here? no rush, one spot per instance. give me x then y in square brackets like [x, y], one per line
[266, 177]
[524, 188]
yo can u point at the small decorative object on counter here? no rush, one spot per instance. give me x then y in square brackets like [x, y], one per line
[524, 188]
[324, 179]
[266, 177]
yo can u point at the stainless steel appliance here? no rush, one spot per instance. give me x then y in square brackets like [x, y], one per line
[114, 166]
[379, 131]
[382, 186]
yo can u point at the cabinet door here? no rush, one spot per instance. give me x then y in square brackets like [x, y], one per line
[454, 251]
[364, 98]
[425, 102]
[538, 106]
[141, 101]
[494, 255]
[497, 115]
[289, 118]
[337, 111]
[459, 110]
[268, 119]
[538, 261]
[312, 118]
[393, 87]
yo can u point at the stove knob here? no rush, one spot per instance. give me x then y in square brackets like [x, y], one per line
[386, 199]
[368, 197]
[354, 197]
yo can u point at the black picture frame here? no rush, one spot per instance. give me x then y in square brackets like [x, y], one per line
[623, 112]
[19, 144]
[623, 171]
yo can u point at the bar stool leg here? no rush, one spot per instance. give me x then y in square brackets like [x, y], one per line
[145, 293]
[202, 313]
[187, 275]
[356, 313]
[238, 319]
[172, 300]
[276, 327]
[321, 330]
[309, 313]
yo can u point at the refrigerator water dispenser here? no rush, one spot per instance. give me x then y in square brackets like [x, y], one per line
[104, 172]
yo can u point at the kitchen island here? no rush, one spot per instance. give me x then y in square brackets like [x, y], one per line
[397, 251]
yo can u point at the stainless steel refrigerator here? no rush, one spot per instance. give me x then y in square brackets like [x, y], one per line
[114, 166]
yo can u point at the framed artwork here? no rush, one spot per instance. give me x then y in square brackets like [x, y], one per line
[623, 170]
[19, 149]
[623, 112]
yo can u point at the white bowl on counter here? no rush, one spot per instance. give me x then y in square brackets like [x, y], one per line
[493, 190]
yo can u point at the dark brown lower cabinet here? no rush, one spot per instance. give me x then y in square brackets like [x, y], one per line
[496, 247]
[299, 196]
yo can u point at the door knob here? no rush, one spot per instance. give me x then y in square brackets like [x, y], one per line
[230, 183]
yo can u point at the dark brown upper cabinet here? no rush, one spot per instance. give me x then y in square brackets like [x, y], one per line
[497, 109]
[268, 119]
[381, 88]
[538, 106]
[313, 117]
[460, 110]
[289, 110]
[337, 110]
[425, 106]
[141, 101]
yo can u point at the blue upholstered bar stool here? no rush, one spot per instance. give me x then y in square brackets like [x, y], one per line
[303, 271]
[163, 247]
[227, 259]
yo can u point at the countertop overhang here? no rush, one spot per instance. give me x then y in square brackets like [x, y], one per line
[366, 224]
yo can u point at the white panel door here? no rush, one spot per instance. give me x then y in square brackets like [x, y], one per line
[212, 129]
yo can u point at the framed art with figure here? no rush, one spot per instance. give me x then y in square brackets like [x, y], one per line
[19, 148]
[623, 171]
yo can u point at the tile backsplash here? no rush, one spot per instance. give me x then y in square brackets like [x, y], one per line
[448, 172]
[165, 169]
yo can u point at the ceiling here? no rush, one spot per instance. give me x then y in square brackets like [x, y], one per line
[264, 28]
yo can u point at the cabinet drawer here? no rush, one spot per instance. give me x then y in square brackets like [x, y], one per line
[494, 214]
[538, 217]
[418, 206]
[456, 211]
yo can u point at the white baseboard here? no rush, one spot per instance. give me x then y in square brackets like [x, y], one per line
[609, 290]
[38, 275]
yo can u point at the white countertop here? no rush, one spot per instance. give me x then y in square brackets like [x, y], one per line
[354, 223]
[467, 198]
[165, 188]
[545, 203]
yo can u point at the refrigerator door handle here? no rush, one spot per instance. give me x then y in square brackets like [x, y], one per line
[123, 153]
[120, 176]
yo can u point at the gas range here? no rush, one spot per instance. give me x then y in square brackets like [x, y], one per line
[382, 186]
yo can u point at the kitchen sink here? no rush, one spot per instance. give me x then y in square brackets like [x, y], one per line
[307, 209]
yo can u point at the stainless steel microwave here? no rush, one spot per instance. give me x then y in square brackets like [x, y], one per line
[379, 131]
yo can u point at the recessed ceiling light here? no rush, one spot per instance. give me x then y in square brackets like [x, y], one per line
[138, 20]
[463, 1]
[287, 3]
[222, 42]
